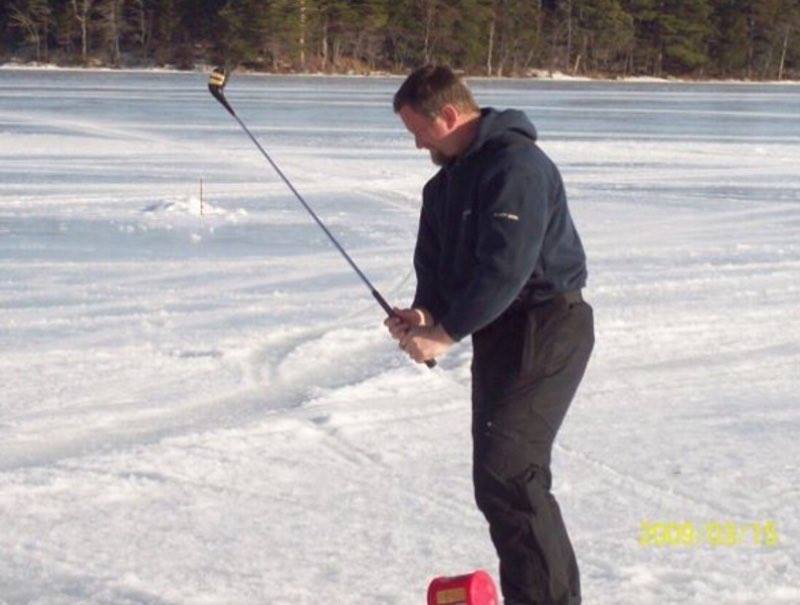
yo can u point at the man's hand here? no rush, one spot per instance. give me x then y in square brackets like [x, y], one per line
[406, 319]
[425, 342]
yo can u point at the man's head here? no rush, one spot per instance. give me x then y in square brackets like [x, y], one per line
[438, 109]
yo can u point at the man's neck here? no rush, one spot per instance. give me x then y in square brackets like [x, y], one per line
[465, 134]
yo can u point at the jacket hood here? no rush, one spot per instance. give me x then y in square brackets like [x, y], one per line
[501, 123]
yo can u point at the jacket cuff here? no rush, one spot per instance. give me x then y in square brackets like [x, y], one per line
[452, 328]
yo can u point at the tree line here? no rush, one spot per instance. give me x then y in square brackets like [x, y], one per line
[751, 39]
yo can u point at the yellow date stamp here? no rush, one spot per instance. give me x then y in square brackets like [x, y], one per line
[688, 534]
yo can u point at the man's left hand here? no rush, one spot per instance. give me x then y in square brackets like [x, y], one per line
[424, 343]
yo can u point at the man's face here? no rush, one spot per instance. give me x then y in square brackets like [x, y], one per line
[429, 133]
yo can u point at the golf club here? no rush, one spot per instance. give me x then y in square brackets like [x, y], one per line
[216, 84]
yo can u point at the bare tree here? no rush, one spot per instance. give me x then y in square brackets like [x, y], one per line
[112, 23]
[569, 39]
[324, 41]
[490, 45]
[788, 28]
[83, 13]
[784, 47]
[428, 8]
[302, 34]
[143, 29]
[33, 18]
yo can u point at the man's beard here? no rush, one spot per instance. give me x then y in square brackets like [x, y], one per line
[440, 159]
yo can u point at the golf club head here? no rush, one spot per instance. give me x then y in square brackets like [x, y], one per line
[216, 84]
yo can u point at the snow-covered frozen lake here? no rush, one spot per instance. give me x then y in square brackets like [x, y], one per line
[203, 406]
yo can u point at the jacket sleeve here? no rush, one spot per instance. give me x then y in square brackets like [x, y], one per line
[512, 219]
[426, 256]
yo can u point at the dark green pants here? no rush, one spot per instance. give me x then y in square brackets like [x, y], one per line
[526, 368]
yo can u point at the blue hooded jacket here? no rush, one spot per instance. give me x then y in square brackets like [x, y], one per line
[495, 229]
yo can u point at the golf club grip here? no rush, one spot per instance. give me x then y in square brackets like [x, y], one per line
[431, 363]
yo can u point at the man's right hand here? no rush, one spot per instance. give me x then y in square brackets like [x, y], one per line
[405, 319]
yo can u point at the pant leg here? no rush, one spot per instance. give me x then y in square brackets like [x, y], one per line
[526, 369]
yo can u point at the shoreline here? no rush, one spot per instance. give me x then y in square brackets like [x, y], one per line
[542, 75]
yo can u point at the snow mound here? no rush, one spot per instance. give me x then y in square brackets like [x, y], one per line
[190, 206]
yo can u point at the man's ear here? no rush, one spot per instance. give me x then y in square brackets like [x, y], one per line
[450, 115]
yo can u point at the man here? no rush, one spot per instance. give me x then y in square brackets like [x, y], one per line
[498, 258]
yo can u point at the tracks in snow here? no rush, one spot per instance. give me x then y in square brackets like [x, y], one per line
[277, 378]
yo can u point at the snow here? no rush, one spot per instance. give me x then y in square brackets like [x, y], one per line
[204, 408]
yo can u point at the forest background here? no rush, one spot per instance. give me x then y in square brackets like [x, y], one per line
[741, 39]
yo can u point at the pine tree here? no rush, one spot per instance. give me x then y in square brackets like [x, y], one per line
[370, 25]
[730, 30]
[284, 32]
[742, 38]
[605, 32]
[685, 31]
[645, 53]
[337, 23]
[516, 39]
[403, 34]
[242, 26]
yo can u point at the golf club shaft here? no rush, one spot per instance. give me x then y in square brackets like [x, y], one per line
[375, 294]
[315, 217]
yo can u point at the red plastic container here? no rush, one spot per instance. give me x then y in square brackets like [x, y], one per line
[476, 588]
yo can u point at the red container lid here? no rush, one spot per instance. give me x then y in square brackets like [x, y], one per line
[476, 588]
